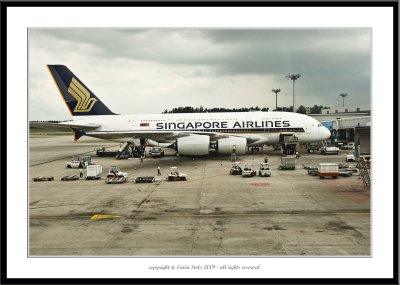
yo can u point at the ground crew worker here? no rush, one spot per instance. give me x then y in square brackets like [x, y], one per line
[80, 173]
[159, 171]
[141, 158]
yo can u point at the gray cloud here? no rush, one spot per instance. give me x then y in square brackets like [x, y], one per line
[169, 62]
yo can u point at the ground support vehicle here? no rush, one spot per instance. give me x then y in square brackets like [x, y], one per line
[288, 163]
[264, 170]
[329, 150]
[310, 166]
[176, 175]
[277, 147]
[350, 157]
[115, 175]
[156, 152]
[93, 172]
[312, 147]
[79, 162]
[349, 146]
[145, 179]
[343, 166]
[352, 169]
[289, 149]
[328, 170]
[43, 178]
[236, 169]
[70, 178]
[115, 180]
[103, 153]
[313, 172]
[248, 171]
[345, 173]
[256, 148]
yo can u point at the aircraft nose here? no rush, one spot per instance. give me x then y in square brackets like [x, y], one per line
[326, 133]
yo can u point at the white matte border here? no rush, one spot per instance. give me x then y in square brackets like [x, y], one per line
[379, 19]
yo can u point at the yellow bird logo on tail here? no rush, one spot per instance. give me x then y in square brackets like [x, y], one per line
[82, 96]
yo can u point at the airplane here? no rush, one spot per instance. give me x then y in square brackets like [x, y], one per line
[188, 133]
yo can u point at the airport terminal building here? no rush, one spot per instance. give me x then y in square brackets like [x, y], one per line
[348, 125]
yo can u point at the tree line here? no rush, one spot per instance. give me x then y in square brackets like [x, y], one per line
[200, 109]
[51, 121]
[301, 109]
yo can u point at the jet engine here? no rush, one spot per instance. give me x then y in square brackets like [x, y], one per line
[225, 146]
[193, 145]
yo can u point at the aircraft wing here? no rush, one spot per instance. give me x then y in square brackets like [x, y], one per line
[165, 136]
[159, 136]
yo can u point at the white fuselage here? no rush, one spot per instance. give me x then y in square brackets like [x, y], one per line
[256, 127]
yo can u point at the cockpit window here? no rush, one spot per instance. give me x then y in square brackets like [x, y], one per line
[319, 125]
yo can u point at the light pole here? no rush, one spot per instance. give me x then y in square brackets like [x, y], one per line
[343, 95]
[276, 91]
[293, 77]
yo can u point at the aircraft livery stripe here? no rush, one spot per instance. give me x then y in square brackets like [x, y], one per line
[254, 130]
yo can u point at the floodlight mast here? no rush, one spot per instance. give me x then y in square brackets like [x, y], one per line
[276, 91]
[293, 77]
[343, 95]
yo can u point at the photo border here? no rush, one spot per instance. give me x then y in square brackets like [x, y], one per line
[5, 142]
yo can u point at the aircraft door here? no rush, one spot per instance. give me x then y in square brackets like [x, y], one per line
[134, 124]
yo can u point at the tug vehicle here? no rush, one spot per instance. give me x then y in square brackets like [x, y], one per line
[248, 171]
[236, 169]
[176, 175]
[264, 170]
[115, 175]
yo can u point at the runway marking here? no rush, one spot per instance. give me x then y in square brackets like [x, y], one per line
[219, 215]
[100, 217]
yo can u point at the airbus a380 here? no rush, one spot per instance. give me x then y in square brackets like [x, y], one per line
[188, 134]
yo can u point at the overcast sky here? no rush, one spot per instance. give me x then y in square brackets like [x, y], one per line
[138, 71]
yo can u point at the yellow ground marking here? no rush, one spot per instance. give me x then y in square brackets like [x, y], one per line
[99, 217]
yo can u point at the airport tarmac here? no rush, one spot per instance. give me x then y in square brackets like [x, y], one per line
[212, 214]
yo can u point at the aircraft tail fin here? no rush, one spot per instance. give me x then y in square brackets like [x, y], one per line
[78, 98]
